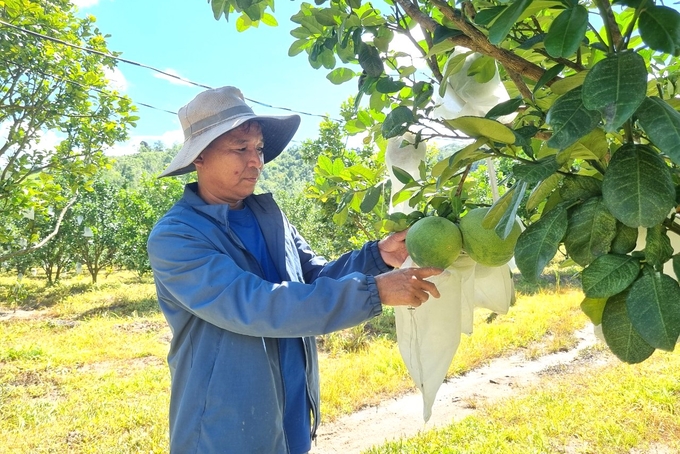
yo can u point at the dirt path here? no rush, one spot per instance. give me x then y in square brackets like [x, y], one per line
[456, 399]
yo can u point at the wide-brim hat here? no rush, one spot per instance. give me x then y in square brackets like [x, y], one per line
[217, 111]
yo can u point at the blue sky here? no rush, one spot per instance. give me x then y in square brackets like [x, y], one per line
[182, 37]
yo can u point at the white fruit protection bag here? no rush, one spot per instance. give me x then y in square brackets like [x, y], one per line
[428, 336]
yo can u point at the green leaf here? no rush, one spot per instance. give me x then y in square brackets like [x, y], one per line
[548, 76]
[567, 32]
[662, 124]
[369, 59]
[371, 198]
[269, 20]
[218, 7]
[538, 244]
[625, 239]
[502, 214]
[504, 108]
[658, 249]
[402, 175]
[502, 25]
[397, 122]
[537, 171]
[580, 187]
[389, 85]
[593, 308]
[615, 87]
[340, 75]
[608, 275]
[447, 167]
[623, 340]
[590, 231]
[637, 186]
[483, 127]
[653, 305]
[660, 28]
[543, 190]
[570, 119]
[483, 69]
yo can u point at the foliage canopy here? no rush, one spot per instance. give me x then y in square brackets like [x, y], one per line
[591, 127]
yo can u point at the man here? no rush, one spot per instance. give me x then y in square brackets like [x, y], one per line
[245, 295]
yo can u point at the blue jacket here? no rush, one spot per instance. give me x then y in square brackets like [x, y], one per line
[226, 391]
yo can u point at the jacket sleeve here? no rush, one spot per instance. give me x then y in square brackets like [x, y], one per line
[194, 275]
[366, 260]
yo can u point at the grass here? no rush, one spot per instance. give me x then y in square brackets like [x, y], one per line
[82, 370]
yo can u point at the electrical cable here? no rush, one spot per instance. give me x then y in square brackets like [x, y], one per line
[165, 73]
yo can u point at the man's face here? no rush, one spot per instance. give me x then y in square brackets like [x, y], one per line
[230, 166]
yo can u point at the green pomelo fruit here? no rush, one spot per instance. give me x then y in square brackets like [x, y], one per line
[434, 241]
[484, 246]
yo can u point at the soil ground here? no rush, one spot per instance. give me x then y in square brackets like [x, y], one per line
[456, 399]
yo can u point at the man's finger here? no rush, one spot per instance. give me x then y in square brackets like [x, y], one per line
[422, 273]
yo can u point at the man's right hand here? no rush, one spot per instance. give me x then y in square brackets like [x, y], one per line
[407, 286]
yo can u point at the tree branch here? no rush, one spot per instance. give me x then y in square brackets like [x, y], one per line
[44, 240]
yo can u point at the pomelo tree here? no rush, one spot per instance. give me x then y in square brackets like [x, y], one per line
[57, 116]
[591, 126]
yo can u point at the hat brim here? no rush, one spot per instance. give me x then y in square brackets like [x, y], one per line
[277, 132]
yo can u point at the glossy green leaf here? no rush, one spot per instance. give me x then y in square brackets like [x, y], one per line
[504, 108]
[593, 308]
[660, 28]
[340, 75]
[615, 87]
[676, 266]
[369, 59]
[570, 119]
[502, 214]
[536, 171]
[483, 127]
[483, 69]
[269, 20]
[609, 274]
[567, 32]
[653, 305]
[580, 187]
[402, 175]
[625, 239]
[547, 76]
[543, 190]
[389, 85]
[502, 25]
[219, 7]
[662, 124]
[538, 244]
[397, 122]
[637, 187]
[371, 198]
[622, 339]
[658, 249]
[590, 231]
[446, 168]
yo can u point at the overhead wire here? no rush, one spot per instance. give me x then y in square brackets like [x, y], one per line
[141, 65]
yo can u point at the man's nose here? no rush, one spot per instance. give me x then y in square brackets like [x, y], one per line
[255, 157]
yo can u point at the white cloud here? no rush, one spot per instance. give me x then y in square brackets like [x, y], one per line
[172, 80]
[168, 139]
[117, 80]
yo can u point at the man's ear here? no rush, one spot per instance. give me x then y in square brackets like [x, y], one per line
[199, 160]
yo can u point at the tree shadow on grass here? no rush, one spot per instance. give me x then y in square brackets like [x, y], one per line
[123, 308]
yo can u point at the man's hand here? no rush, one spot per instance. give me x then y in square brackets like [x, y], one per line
[407, 287]
[393, 249]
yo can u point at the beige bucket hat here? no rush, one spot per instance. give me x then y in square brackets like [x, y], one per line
[217, 111]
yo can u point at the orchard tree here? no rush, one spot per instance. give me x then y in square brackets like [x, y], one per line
[57, 113]
[138, 210]
[594, 133]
